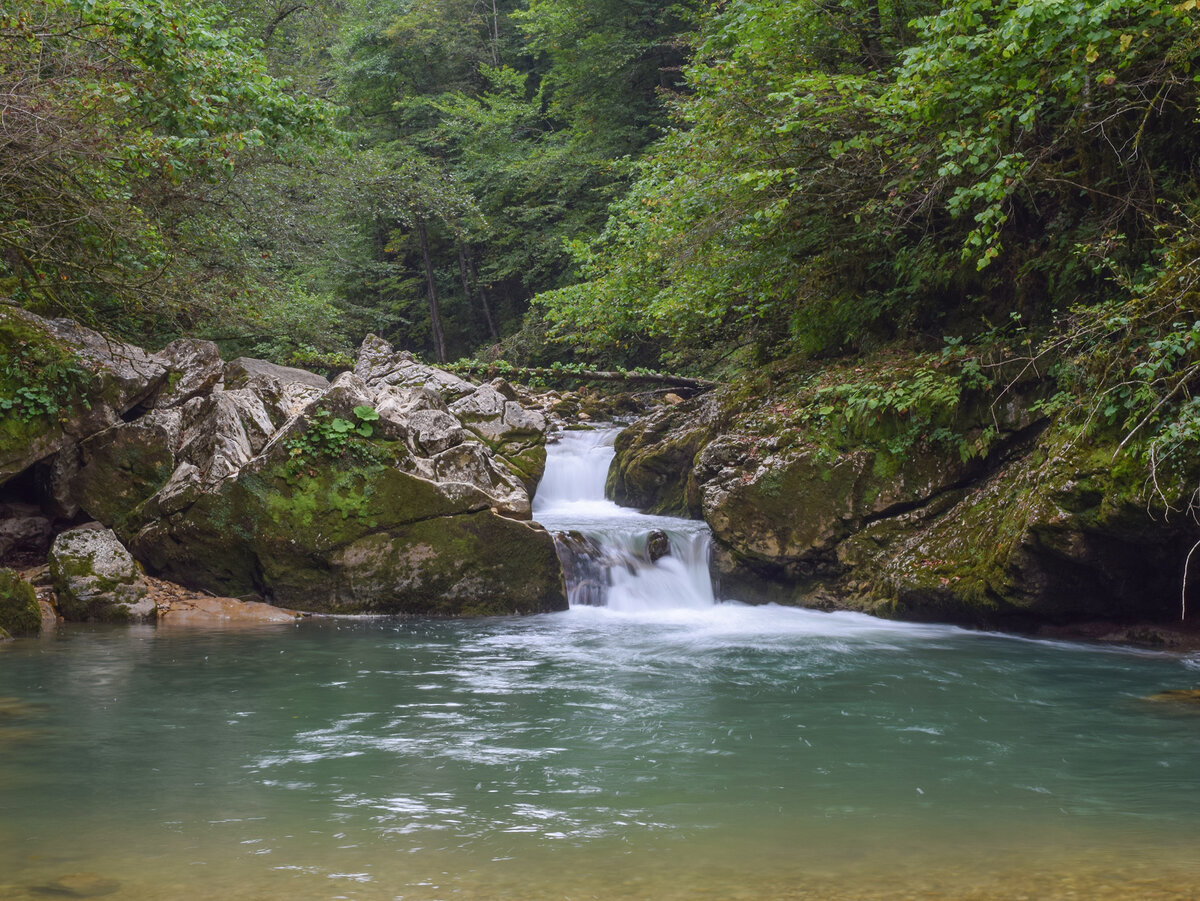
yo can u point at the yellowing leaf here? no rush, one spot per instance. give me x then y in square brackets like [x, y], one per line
[1127, 39]
[1092, 53]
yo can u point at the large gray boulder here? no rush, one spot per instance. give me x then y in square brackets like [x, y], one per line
[95, 381]
[97, 579]
[380, 365]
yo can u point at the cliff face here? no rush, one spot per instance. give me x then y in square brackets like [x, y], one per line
[981, 511]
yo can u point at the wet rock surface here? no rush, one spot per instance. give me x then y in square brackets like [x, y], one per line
[1038, 531]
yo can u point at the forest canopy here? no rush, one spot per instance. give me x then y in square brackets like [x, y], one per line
[621, 182]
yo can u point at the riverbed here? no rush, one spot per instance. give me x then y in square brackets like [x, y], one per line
[731, 752]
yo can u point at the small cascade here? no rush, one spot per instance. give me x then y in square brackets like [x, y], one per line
[613, 556]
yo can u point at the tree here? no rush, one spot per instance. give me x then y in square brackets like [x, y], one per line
[120, 121]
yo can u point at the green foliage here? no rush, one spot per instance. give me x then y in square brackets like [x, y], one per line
[841, 174]
[37, 377]
[328, 438]
[122, 123]
[891, 403]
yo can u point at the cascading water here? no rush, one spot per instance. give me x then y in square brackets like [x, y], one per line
[613, 556]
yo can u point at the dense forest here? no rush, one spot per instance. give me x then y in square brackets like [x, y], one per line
[708, 187]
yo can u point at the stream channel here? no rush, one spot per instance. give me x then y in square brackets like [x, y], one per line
[661, 746]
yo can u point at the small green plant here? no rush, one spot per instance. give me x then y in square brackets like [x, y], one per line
[331, 437]
[42, 380]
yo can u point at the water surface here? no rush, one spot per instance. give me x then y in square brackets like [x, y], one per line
[721, 753]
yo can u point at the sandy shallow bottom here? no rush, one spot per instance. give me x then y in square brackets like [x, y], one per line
[223, 867]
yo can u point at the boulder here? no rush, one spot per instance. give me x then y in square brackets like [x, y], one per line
[95, 380]
[380, 365]
[19, 610]
[193, 367]
[321, 537]
[515, 434]
[96, 578]
[284, 390]
[23, 527]
[1059, 535]
[250, 478]
[653, 468]
[121, 468]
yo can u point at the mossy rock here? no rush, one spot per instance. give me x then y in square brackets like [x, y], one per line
[319, 538]
[1057, 536]
[120, 469]
[96, 578]
[64, 382]
[19, 611]
[652, 469]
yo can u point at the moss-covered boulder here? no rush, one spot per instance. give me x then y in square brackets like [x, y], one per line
[351, 536]
[904, 488]
[19, 611]
[653, 469]
[96, 578]
[60, 382]
[1062, 534]
[350, 509]
[121, 468]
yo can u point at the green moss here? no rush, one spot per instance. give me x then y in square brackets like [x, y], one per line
[19, 611]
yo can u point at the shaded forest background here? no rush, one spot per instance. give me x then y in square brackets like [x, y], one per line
[704, 186]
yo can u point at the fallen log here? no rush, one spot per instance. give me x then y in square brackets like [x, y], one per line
[518, 373]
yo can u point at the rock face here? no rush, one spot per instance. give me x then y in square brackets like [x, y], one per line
[97, 579]
[1039, 530]
[395, 488]
[19, 611]
[63, 383]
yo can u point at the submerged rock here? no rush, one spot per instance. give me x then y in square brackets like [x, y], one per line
[97, 579]
[77, 885]
[1186, 696]
[658, 545]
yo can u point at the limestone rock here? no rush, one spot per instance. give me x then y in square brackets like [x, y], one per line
[471, 465]
[224, 431]
[120, 468]
[96, 578]
[379, 365]
[23, 527]
[193, 367]
[19, 610]
[112, 378]
[284, 390]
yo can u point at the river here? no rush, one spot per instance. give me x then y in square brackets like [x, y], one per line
[663, 746]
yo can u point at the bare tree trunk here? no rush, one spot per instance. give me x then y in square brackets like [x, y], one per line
[464, 263]
[495, 35]
[435, 316]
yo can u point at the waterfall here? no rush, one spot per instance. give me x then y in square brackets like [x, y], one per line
[613, 556]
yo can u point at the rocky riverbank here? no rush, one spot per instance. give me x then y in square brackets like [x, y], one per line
[985, 511]
[395, 488]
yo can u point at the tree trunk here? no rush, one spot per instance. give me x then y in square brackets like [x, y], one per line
[435, 316]
[466, 262]
[495, 35]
